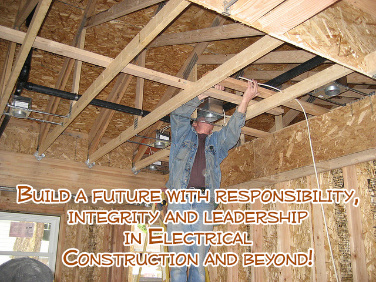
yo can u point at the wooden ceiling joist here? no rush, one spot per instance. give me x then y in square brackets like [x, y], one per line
[120, 9]
[27, 43]
[290, 14]
[25, 12]
[104, 117]
[265, 93]
[354, 78]
[184, 72]
[172, 9]
[206, 34]
[277, 57]
[53, 103]
[241, 60]
[311, 83]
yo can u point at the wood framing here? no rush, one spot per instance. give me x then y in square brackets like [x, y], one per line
[18, 168]
[152, 29]
[244, 58]
[207, 34]
[345, 143]
[32, 31]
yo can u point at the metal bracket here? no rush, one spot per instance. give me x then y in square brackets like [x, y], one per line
[227, 6]
[89, 164]
[39, 157]
[135, 171]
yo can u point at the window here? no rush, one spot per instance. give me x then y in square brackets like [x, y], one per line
[148, 273]
[29, 235]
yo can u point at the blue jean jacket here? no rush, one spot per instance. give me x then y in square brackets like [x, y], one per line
[184, 142]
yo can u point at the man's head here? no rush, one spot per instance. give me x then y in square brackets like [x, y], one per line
[202, 126]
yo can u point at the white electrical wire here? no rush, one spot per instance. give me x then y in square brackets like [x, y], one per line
[262, 84]
[316, 174]
[318, 185]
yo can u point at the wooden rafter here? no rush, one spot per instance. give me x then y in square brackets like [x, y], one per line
[290, 14]
[105, 115]
[184, 72]
[65, 72]
[313, 82]
[120, 9]
[354, 78]
[206, 34]
[241, 60]
[148, 33]
[31, 34]
[265, 93]
[277, 57]
[25, 12]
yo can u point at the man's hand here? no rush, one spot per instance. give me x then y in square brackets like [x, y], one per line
[202, 96]
[249, 94]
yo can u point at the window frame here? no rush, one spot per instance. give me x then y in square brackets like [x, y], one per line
[54, 235]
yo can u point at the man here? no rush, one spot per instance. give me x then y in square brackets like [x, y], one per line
[195, 155]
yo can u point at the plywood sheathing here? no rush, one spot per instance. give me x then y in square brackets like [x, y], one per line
[338, 133]
[334, 33]
[301, 237]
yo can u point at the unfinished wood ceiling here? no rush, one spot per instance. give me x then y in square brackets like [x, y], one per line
[155, 56]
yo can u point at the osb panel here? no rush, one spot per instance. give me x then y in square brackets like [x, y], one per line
[270, 244]
[300, 238]
[336, 33]
[22, 137]
[340, 132]
[366, 176]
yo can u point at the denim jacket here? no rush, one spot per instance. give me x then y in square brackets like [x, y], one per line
[184, 142]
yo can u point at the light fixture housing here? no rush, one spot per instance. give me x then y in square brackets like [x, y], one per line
[162, 140]
[211, 109]
[20, 107]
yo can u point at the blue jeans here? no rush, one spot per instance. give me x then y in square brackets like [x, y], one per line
[196, 274]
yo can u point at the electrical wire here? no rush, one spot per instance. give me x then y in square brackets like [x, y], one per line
[317, 178]
[319, 187]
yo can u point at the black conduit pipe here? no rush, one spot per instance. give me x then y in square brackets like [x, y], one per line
[22, 79]
[95, 102]
[290, 74]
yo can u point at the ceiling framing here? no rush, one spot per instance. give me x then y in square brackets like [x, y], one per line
[267, 24]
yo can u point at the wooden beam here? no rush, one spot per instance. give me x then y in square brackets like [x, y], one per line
[244, 58]
[8, 64]
[104, 117]
[91, 58]
[150, 31]
[63, 77]
[140, 83]
[32, 31]
[318, 235]
[354, 78]
[357, 248]
[184, 73]
[16, 168]
[290, 14]
[254, 132]
[276, 57]
[161, 154]
[311, 83]
[236, 99]
[25, 12]
[120, 9]
[266, 93]
[283, 235]
[258, 240]
[206, 34]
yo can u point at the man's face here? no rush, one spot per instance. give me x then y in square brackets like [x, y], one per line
[202, 126]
